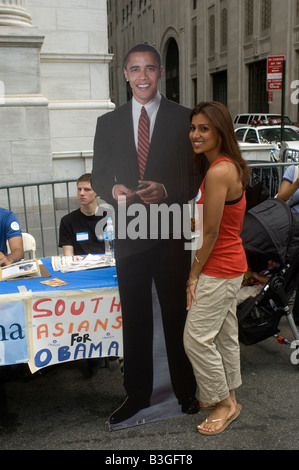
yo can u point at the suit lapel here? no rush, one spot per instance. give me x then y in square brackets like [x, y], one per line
[160, 131]
[161, 122]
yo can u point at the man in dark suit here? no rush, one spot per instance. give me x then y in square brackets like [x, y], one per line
[147, 253]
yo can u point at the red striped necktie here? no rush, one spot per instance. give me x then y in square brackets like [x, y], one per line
[143, 141]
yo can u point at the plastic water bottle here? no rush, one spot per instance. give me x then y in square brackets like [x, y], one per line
[109, 241]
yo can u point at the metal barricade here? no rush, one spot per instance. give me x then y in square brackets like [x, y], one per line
[40, 206]
[271, 174]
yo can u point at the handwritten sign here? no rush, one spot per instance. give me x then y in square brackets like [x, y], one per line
[67, 327]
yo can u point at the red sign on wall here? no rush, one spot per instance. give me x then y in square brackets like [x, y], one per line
[274, 72]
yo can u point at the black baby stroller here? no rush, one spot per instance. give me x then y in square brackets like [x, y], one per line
[270, 232]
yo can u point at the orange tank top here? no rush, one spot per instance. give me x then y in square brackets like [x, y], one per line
[228, 258]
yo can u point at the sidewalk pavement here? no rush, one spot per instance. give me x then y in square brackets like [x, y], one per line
[62, 408]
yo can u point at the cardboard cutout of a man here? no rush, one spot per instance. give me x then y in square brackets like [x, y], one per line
[160, 257]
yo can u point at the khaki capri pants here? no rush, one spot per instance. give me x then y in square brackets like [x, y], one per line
[211, 338]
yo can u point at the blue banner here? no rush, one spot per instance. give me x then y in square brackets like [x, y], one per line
[13, 341]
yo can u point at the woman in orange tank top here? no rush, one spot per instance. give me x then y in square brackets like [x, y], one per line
[211, 331]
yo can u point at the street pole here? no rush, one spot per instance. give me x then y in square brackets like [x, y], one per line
[283, 86]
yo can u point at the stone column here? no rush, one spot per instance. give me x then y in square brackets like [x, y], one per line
[24, 114]
[13, 13]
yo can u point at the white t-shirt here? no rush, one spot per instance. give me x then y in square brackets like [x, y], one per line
[294, 200]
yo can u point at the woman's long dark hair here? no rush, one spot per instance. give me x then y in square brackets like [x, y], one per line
[220, 117]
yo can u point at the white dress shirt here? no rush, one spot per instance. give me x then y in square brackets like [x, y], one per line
[152, 108]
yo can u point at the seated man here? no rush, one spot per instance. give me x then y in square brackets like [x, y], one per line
[77, 229]
[10, 230]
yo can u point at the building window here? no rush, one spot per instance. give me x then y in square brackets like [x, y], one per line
[266, 14]
[173, 72]
[212, 35]
[249, 17]
[194, 88]
[194, 4]
[220, 87]
[194, 42]
[258, 96]
[223, 33]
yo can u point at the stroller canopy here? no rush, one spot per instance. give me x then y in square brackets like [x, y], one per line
[270, 231]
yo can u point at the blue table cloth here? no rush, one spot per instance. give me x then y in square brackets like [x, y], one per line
[88, 279]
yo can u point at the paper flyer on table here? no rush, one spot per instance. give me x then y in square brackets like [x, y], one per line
[66, 264]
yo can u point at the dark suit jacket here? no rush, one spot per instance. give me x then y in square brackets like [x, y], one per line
[169, 161]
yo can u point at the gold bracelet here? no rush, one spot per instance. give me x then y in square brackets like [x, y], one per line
[192, 283]
[197, 260]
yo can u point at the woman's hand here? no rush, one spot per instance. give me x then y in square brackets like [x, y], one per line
[191, 286]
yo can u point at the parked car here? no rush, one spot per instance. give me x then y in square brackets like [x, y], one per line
[270, 135]
[261, 118]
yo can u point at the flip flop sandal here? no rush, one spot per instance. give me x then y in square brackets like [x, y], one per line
[227, 422]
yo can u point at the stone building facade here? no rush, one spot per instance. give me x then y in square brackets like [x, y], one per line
[211, 49]
[54, 83]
